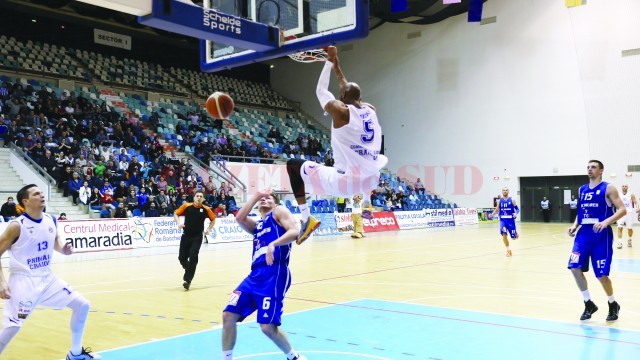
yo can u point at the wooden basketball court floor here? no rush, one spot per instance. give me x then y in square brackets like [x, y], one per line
[446, 293]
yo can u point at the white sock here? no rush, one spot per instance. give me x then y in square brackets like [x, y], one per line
[612, 299]
[227, 355]
[508, 249]
[585, 295]
[292, 354]
[304, 212]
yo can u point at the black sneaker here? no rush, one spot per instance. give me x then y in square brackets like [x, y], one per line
[589, 309]
[186, 285]
[614, 309]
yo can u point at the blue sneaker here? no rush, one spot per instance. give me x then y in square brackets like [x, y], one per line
[307, 229]
[84, 355]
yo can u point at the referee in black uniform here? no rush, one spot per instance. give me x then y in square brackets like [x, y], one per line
[194, 216]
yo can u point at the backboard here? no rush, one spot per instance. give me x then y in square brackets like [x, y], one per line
[303, 24]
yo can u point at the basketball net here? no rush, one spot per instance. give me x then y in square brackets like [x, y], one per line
[310, 56]
[307, 56]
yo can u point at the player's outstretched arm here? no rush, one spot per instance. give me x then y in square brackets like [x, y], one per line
[10, 234]
[242, 217]
[337, 109]
[332, 53]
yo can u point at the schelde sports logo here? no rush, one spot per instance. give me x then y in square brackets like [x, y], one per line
[141, 231]
[215, 20]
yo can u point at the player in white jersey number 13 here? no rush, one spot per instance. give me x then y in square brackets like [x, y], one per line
[30, 240]
[356, 140]
[630, 203]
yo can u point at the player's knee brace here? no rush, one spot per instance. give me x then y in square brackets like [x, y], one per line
[297, 184]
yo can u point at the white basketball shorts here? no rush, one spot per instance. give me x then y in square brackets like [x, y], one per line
[325, 180]
[27, 292]
[628, 219]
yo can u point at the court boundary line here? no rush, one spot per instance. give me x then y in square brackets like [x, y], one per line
[487, 323]
[220, 326]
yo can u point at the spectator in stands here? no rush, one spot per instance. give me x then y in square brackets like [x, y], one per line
[164, 209]
[84, 194]
[104, 212]
[121, 190]
[143, 198]
[152, 211]
[28, 143]
[36, 152]
[182, 199]
[220, 210]
[8, 210]
[63, 182]
[74, 185]
[94, 200]
[419, 186]
[121, 211]
[48, 163]
[107, 195]
[100, 169]
[226, 188]
[131, 201]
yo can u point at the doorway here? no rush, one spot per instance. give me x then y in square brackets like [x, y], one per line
[556, 189]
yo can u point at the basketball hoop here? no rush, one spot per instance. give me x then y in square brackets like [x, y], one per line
[310, 56]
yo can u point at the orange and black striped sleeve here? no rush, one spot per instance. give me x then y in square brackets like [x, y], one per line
[180, 211]
[210, 213]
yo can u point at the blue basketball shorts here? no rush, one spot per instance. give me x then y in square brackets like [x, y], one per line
[263, 291]
[508, 226]
[595, 246]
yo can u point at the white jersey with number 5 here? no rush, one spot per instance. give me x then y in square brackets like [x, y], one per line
[356, 146]
[31, 253]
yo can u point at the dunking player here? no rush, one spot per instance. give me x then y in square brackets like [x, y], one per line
[508, 210]
[265, 287]
[630, 203]
[594, 237]
[356, 138]
[31, 239]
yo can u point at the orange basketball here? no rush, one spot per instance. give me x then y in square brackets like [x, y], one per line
[220, 105]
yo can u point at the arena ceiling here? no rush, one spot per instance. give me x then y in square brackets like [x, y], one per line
[418, 12]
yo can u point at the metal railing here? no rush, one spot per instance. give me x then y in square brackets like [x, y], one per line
[24, 157]
[221, 173]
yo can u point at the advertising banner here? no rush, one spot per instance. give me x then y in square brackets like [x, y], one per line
[412, 219]
[328, 225]
[440, 217]
[465, 216]
[344, 223]
[226, 230]
[97, 235]
[382, 221]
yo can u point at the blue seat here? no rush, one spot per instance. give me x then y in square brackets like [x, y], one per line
[137, 212]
